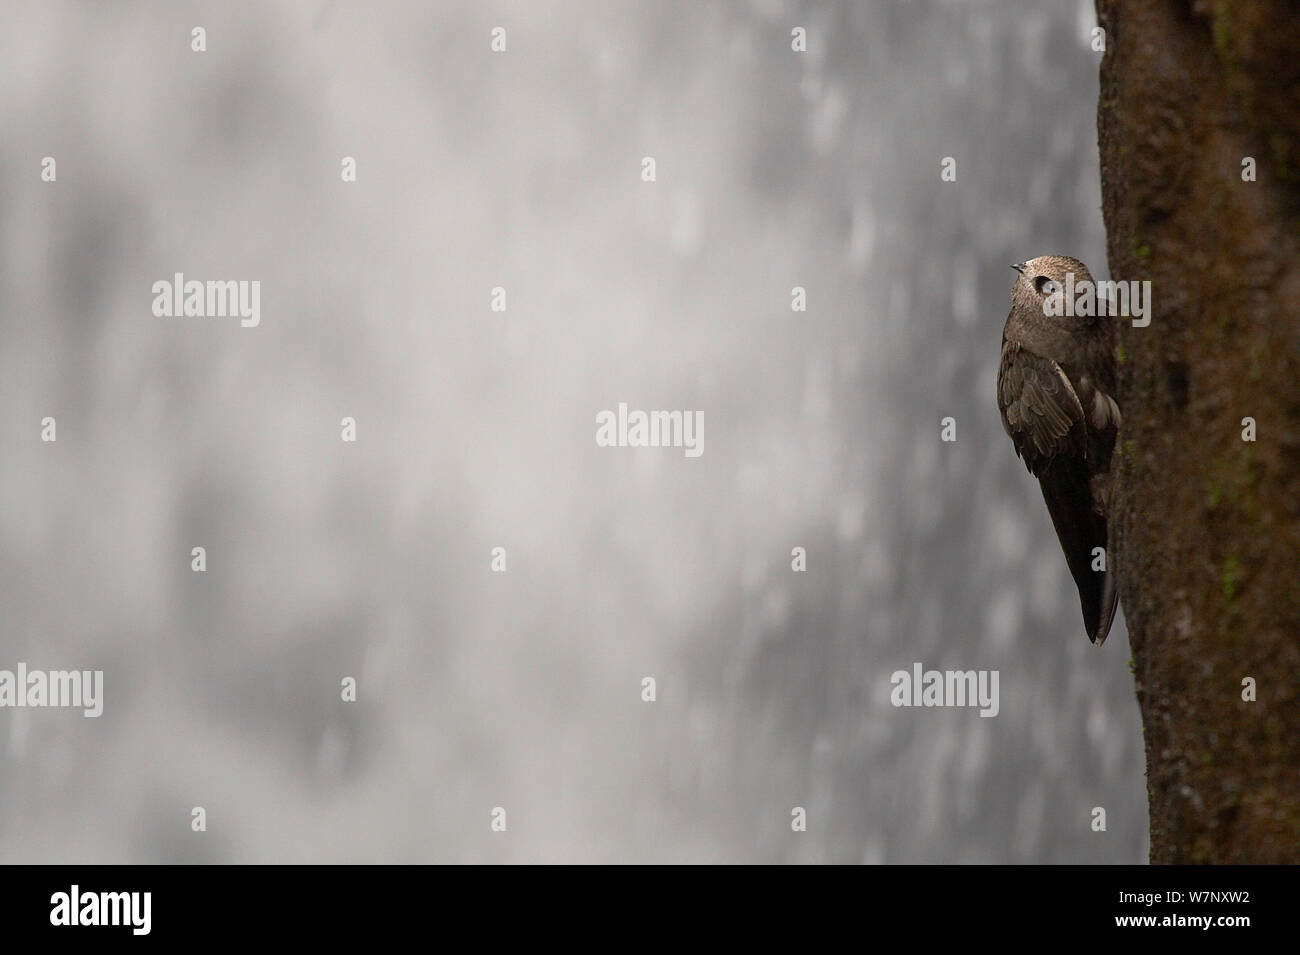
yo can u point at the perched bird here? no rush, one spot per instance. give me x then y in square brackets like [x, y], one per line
[1056, 380]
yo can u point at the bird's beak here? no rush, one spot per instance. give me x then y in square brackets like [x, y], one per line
[1019, 267]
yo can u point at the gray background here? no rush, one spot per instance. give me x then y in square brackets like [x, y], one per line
[325, 559]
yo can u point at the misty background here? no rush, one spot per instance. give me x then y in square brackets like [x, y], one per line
[476, 429]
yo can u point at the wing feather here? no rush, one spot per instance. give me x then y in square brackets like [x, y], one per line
[1040, 409]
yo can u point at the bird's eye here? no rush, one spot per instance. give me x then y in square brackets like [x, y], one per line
[1045, 285]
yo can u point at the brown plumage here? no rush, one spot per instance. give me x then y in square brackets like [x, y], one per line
[1056, 381]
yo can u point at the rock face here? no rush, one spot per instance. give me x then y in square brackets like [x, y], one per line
[1208, 523]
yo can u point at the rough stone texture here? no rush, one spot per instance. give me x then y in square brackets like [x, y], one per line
[1208, 525]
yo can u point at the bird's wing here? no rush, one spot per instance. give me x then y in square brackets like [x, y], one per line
[1109, 602]
[1040, 409]
[1043, 414]
[1081, 529]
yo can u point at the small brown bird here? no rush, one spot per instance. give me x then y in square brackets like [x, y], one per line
[1055, 385]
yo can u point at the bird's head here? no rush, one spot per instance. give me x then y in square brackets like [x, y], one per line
[1043, 277]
